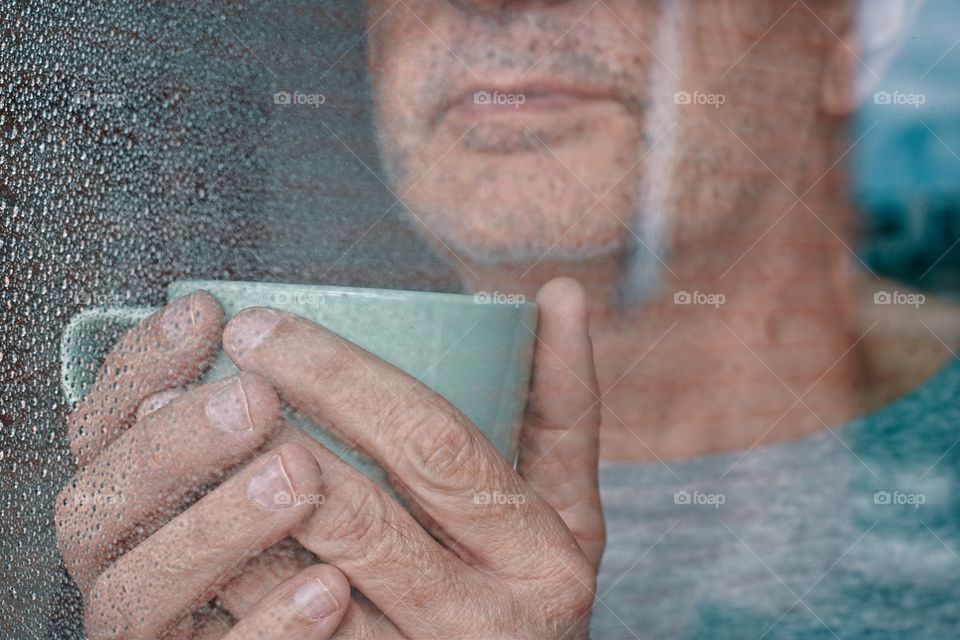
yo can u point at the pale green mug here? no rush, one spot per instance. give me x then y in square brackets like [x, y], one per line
[474, 350]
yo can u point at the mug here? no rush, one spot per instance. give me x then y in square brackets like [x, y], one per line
[474, 350]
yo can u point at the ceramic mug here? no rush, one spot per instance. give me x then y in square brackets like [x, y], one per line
[474, 350]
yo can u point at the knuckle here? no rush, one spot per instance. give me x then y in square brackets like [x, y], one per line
[337, 363]
[448, 448]
[367, 532]
[197, 537]
[428, 587]
[184, 546]
[570, 589]
[361, 523]
[593, 532]
[585, 590]
[434, 439]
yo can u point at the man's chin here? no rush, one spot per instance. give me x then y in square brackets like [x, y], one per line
[471, 248]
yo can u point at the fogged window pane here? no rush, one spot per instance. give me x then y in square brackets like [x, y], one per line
[142, 142]
[146, 142]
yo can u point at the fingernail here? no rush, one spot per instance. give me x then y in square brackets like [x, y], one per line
[314, 600]
[249, 329]
[227, 409]
[179, 320]
[270, 487]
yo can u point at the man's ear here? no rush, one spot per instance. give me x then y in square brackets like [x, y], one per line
[864, 51]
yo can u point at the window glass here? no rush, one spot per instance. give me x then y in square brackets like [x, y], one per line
[144, 142]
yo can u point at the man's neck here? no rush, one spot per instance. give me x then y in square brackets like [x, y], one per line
[716, 364]
[746, 342]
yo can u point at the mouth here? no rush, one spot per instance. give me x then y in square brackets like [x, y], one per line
[497, 101]
[508, 118]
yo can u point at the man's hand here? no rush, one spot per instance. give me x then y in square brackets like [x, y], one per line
[520, 564]
[146, 554]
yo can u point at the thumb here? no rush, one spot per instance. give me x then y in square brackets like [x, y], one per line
[559, 441]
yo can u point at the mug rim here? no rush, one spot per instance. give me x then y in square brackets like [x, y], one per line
[399, 295]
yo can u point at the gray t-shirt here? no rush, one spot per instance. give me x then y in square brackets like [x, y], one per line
[850, 533]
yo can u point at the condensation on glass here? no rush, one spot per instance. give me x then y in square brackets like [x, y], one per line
[141, 142]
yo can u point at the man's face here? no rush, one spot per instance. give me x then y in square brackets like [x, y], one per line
[512, 130]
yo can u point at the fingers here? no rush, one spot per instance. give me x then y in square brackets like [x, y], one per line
[261, 574]
[559, 441]
[384, 552]
[442, 460]
[180, 566]
[283, 561]
[308, 606]
[165, 350]
[423, 589]
[147, 475]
